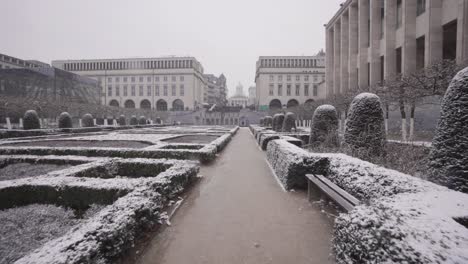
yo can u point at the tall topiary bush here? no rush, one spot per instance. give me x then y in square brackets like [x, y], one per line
[268, 121]
[65, 120]
[87, 120]
[142, 120]
[31, 120]
[158, 120]
[289, 122]
[449, 152]
[365, 130]
[122, 121]
[133, 120]
[324, 127]
[278, 120]
[261, 121]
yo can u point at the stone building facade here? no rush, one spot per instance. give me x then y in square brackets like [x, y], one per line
[163, 84]
[288, 81]
[216, 90]
[368, 41]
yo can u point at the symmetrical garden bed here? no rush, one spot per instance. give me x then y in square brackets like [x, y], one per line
[91, 212]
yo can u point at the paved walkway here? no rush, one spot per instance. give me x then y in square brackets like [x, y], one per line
[239, 214]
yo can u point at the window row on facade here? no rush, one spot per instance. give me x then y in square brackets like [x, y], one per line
[291, 63]
[124, 65]
[292, 90]
[141, 79]
[298, 78]
[125, 91]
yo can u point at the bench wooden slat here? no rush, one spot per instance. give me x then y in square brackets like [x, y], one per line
[332, 191]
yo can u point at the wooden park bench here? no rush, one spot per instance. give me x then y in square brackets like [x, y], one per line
[320, 187]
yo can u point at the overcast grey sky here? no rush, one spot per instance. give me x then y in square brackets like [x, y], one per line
[225, 36]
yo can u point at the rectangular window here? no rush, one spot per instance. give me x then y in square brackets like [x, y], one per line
[125, 90]
[148, 79]
[117, 90]
[382, 20]
[272, 78]
[165, 78]
[133, 90]
[165, 90]
[117, 79]
[280, 78]
[156, 90]
[109, 79]
[306, 89]
[306, 78]
[449, 42]
[133, 79]
[399, 61]
[298, 77]
[109, 90]
[382, 67]
[156, 79]
[420, 7]
[140, 79]
[315, 90]
[288, 90]
[173, 78]
[182, 90]
[140, 90]
[399, 14]
[315, 78]
[298, 89]
[181, 78]
[148, 90]
[173, 90]
[272, 88]
[288, 78]
[125, 79]
[420, 51]
[280, 89]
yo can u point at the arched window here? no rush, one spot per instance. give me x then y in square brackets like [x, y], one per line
[161, 105]
[275, 104]
[129, 104]
[114, 103]
[145, 104]
[292, 103]
[178, 105]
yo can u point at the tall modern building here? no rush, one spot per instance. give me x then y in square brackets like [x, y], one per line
[215, 92]
[287, 81]
[370, 40]
[168, 83]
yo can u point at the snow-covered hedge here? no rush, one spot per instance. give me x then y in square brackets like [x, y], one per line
[449, 153]
[133, 205]
[291, 163]
[402, 219]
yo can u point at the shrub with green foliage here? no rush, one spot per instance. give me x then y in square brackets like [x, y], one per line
[324, 127]
[289, 122]
[365, 130]
[142, 120]
[158, 120]
[65, 120]
[87, 120]
[278, 120]
[268, 121]
[122, 121]
[449, 153]
[31, 120]
[261, 121]
[133, 120]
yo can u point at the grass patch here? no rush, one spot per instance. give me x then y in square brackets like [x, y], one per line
[24, 170]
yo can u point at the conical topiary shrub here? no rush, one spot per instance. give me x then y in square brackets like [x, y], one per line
[278, 120]
[449, 152]
[261, 121]
[122, 121]
[87, 120]
[133, 120]
[365, 130]
[65, 120]
[142, 120]
[31, 120]
[158, 120]
[268, 121]
[324, 127]
[289, 122]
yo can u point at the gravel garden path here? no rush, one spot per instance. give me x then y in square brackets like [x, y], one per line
[238, 213]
